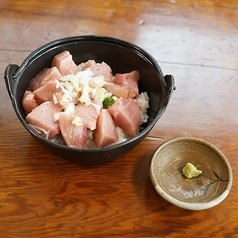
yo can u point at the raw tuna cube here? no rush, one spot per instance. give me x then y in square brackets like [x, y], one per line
[105, 133]
[28, 101]
[59, 97]
[129, 80]
[45, 93]
[42, 119]
[102, 69]
[126, 115]
[116, 89]
[45, 76]
[73, 130]
[89, 113]
[88, 64]
[65, 64]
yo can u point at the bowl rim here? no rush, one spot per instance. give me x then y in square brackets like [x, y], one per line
[188, 205]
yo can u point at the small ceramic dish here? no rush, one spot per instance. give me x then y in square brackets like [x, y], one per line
[207, 190]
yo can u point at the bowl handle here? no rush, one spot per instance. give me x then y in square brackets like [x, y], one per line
[170, 85]
[10, 80]
[169, 81]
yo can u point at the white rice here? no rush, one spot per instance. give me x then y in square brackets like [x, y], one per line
[143, 100]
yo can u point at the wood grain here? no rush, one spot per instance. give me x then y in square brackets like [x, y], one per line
[42, 195]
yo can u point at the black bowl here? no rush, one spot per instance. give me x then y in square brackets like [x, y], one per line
[122, 57]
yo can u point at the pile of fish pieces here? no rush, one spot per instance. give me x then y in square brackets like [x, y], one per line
[51, 113]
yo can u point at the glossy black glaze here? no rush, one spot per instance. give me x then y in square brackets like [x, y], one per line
[122, 57]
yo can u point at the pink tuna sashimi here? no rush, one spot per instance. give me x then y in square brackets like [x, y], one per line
[42, 119]
[46, 92]
[102, 69]
[58, 97]
[65, 64]
[88, 64]
[126, 115]
[129, 80]
[28, 101]
[89, 113]
[116, 89]
[45, 76]
[74, 134]
[105, 133]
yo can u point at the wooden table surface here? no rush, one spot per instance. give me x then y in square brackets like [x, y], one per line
[42, 195]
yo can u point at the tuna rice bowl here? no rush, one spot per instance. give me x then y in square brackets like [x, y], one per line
[85, 105]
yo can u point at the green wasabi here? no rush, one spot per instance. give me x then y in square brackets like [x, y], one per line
[190, 171]
[107, 102]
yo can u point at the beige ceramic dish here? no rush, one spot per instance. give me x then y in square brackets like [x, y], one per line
[202, 192]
